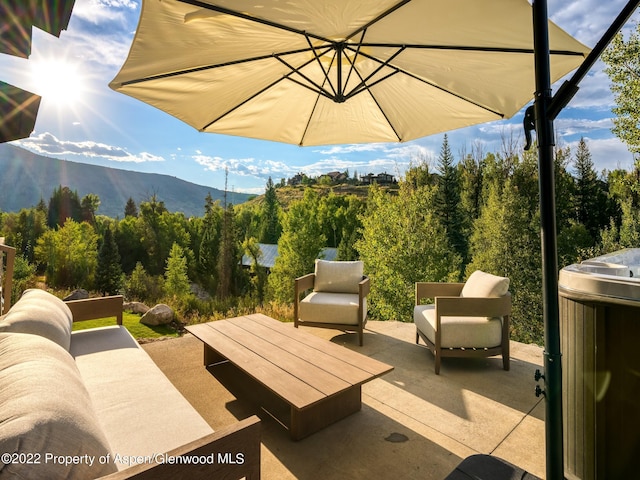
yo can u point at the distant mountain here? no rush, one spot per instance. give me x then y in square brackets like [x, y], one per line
[25, 178]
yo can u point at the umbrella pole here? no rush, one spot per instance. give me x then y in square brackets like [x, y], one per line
[552, 355]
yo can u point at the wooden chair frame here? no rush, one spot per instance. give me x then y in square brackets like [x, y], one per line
[306, 282]
[448, 302]
[7, 261]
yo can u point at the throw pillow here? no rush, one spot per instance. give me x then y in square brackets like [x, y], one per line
[338, 277]
[481, 284]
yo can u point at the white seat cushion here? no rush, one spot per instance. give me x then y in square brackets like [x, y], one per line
[139, 409]
[459, 332]
[326, 307]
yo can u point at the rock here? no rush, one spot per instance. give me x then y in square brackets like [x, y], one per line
[161, 314]
[135, 307]
[79, 294]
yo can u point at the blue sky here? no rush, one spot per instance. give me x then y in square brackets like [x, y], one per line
[82, 120]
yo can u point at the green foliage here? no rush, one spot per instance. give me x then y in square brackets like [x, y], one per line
[403, 242]
[257, 274]
[24, 277]
[228, 256]
[447, 201]
[143, 287]
[506, 242]
[176, 279]
[108, 271]
[270, 229]
[623, 67]
[69, 254]
[299, 246]
[63, 204]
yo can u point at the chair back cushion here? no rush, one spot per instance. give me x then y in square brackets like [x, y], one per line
[481, 284]
[338, 277]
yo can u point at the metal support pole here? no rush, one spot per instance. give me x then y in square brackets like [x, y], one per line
[552, 360]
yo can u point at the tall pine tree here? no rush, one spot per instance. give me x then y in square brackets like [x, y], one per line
[108, 271]
[447, 201]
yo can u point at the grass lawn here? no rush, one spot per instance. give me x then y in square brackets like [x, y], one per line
[132, 323]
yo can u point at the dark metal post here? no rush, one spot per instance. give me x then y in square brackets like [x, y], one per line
[544, 130]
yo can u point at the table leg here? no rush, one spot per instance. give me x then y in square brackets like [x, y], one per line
[319, 415]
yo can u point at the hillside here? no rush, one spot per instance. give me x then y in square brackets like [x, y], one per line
[27, 177]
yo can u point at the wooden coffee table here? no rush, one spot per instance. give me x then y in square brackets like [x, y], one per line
[303, 381]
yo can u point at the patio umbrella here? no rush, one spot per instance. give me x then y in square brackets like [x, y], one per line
[316, 72]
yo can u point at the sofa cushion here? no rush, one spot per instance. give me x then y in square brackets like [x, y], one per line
[140, 410]
[481, 284]
[459, 332]
[40, 313]
[45, 409]
[327, 307]
[338, 277]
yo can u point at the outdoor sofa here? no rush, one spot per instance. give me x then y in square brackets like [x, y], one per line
[91, 403]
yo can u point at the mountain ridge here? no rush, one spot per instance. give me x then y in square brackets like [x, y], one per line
[27, 177]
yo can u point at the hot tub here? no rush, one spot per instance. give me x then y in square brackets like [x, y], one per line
[600, 334]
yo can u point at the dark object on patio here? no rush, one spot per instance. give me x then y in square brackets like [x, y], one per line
[466, 319]
[18, 112]
[486, 467]
[338, 299]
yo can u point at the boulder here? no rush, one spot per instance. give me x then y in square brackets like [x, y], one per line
[79, 294]
[161, 314]
[135, 307]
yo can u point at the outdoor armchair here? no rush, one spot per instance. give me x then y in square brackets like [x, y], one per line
[338, 299]
[7, 259]
[466, 319]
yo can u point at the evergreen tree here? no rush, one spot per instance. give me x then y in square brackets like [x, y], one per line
[270, 223]
[130, 209]
[590, 200]
[108, 271]
[227, 256]
[210, 244]
[447, 200]
[176, 278]
[63, 204]
[89, 206]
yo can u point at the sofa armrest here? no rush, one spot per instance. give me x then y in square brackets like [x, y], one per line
[437, 289]
[94, 308]
[235, 450]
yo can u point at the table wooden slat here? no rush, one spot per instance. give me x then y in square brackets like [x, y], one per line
[283, 384]
[307, 372]
[368, 364]
[351, 374]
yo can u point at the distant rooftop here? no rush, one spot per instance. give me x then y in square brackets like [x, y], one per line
[270, 253]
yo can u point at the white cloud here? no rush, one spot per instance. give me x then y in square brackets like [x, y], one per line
[48, 144]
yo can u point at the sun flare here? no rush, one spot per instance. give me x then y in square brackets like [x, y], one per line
[58, 80]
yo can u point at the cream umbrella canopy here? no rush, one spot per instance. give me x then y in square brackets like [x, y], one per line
[317, 72]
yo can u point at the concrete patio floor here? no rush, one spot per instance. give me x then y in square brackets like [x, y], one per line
[413, 423]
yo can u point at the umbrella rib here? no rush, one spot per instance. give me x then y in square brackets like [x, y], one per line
[466, 48]
[245, 101]
[202, 68]
[378, 18]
